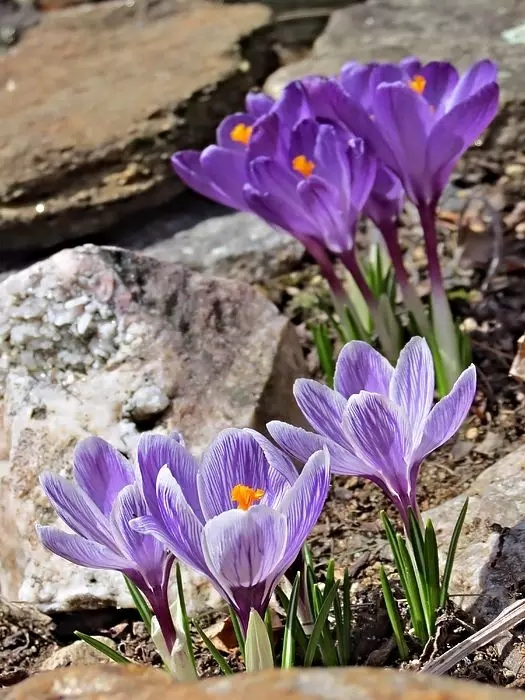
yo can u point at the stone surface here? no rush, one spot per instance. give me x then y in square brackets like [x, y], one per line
[89, 337]
[93, 105]
[490, 561]
[122, 683]
[238, 245]
[461, 31]
[78, 653]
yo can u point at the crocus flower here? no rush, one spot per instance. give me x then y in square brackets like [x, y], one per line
[253, 515]
[106, 493]
[426, 115]
[219, 171]
[378, 422]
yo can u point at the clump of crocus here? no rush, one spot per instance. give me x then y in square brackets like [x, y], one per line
[423, 118]
[244, 520]
[379, 423]
[106, 493]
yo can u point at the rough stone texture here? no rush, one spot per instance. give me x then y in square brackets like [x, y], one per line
[76, 654]
[238, 245]
[93, 105]
[93, 341]
[121, 683]
[461, 31]
[490, 560]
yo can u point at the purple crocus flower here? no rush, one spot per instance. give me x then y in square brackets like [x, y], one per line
[378, 422]
[245, 520]
[106, 494]
[219, 171]
[426, 116]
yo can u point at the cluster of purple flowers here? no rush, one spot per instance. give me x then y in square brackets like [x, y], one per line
[241, 514]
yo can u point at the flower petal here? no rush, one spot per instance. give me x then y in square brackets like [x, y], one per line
[404, 119]
[304, 502]
[446, 417]
[234, 457]
[101, 472]
[322, 407]
[330, 225]
[153, 452]
[283, 472]
[188, 166]
[441, 78]
[258, 104]
[78, 550]
[76, 509]
[177, 527]
[226, 131]
[380, 435]
[412, 385]
[476, 77]
[244, 548]
[361, 368]
[302, 444]
[226, 169]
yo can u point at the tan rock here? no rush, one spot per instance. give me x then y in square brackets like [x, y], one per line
[122, 683]
[76, 654]
[97, 104]
[93, 341]
[461, 31]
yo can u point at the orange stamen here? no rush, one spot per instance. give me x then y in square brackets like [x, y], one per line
[241, 133]
[302, 165]
[418, 84]
[245, 496]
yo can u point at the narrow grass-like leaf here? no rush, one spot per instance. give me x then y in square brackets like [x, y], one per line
[394, 616]
[269, 629]
[418, 548]
[412, 592]
[220, 660]
[237, 629]
[139, 602]
[347, 617]
[103, 648]
[288, 653]
[447, 573]
[319, 626]
[184, 616]
[325, 352]
[298, 632]
[340, 632]
[432, 573]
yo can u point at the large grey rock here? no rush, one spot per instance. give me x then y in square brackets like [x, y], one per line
[490, 561]
[93, 105]
[238, 245]
[461, 31]
[107, 342]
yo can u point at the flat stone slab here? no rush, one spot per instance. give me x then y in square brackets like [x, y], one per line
[461, 31]
[92, 106]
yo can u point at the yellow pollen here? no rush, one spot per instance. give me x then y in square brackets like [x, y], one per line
[302, 165]
[418, 84]
[245, 496]
[241, 133]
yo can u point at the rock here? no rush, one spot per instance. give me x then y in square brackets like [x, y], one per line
[93, 341]
[237, 245]
[95, 105]
[461, 31]
[123, 682]
[76, 654]
[517, 369]
[490, 560]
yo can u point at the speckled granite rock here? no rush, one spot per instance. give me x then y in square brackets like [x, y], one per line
[123, 683]
[107, 342]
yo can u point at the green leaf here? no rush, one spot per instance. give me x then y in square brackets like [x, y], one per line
[140, 603]
[325, 352]
[412, 592]
[299, 634]
[445, 583]
[432, 574]
[269, 629]
[319, 626]
[221, 661]
[288, 653]
[258, 654]
[347, 617]
[184, 616]
[394, 616]
[237, 629]
[103, 648]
